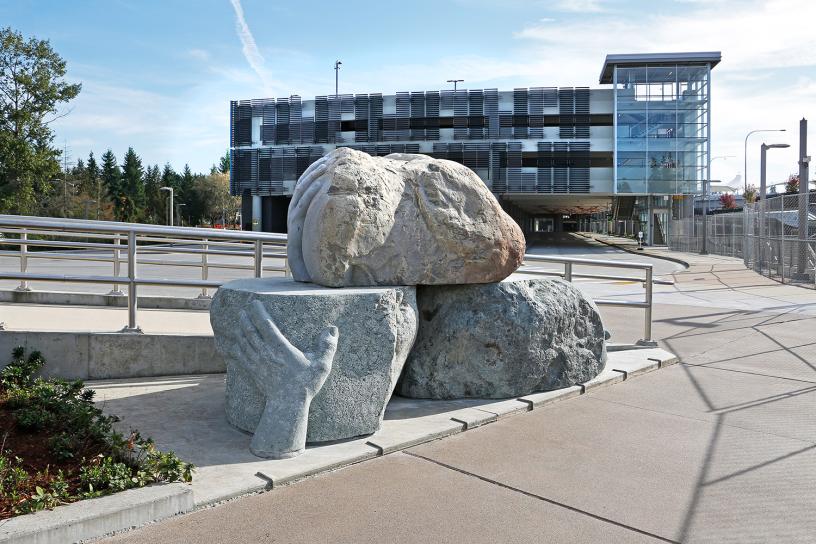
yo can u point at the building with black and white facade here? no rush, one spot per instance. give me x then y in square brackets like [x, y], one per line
[551, 155]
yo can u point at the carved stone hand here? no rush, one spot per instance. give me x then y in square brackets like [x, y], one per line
[288, 377]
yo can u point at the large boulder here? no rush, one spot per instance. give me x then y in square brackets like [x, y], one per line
[402, 219]
[503, 340]
[376, 328]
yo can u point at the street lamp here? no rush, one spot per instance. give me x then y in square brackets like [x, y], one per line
[455, 81]
[763, 166]
[170, 216]
[745, 154]
[337, 64]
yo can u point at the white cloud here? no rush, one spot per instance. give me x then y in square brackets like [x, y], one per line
[198, 54]
[248, 46]
[580, 6]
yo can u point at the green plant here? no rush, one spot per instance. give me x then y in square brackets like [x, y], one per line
[106, 474]
[21, 370]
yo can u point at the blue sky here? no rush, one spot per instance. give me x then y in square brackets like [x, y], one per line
[159, 75]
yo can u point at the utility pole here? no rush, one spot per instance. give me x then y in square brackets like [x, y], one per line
[337, 64]
[455, 81]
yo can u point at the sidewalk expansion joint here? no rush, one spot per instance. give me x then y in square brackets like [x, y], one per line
[530, 404]
[465, 426]
[625, 373]
[270, 484]
[380, 450]
[541, 498]
[656, 360]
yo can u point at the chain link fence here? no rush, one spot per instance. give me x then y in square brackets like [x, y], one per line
[775, 237]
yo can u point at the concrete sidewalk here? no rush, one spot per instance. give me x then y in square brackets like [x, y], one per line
[721, 448]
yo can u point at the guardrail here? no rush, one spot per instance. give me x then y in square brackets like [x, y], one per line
[109, 240]
[568, 274]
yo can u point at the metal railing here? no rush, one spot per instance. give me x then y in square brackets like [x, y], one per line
[569, 274]
[104, 241]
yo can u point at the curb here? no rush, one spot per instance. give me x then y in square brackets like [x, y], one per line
[635, 252]
[63, 298]
[93, 518]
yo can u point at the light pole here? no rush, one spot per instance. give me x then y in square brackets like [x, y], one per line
[764, 208]
[170, 216]
[706, 189]
[745, 154]
[455, 81]
[763, 166]
[337, 64]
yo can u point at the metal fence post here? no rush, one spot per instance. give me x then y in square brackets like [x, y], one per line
[205, 272]
[133, 300]
[116, 266]
[23, 261]
[647, 321]
[568, 272]
[258, 258]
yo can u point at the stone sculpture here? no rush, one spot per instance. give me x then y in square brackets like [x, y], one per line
[503, 340]
[376, 329]
[402, 219]
[286, 377]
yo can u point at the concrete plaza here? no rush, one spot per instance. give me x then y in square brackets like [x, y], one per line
[720, 448]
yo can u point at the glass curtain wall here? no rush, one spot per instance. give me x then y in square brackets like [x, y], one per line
[661, 128]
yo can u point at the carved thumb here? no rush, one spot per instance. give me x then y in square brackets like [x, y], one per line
[326, 346]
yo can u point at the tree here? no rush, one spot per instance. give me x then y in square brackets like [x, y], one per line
[728, 201]
[111, 178]
[750, 194]
[224, 164]
[154, 200]
[31, 89]
[792, 185]
[216, 205]
[132, 191]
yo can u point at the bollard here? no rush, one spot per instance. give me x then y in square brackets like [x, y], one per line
[133, 299]
[205, 272]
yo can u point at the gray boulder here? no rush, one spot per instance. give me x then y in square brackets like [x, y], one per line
[402, 219]
[503, 340]
[375, 326]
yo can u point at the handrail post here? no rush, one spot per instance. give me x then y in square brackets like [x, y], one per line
[133, 300]
[258, 258]
[647, 321]
[23, 261]
[116, 266]
[568, 271]
[205, 273]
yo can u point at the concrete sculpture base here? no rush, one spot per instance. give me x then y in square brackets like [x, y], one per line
[376, 328]
[502, 340]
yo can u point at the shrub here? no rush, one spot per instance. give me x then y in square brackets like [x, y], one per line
[72, 428]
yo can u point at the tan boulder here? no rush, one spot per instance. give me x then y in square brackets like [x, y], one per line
[358, 220]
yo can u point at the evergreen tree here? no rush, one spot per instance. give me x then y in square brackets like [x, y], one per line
[93, 182]
[132, 188]
[154, 200]
[224, 163]
[111, 178]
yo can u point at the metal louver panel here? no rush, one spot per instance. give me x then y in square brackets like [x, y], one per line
[268, 124]
[460, 114]
[417, 116]
[476, 128]
[536, 112]
[321, 130]
[403, 115]
[244, 124]
[334, 135]
[544, 184]
[579, 169]
[582, 112]
[282, 116]
[520, 113]
[432, 115]
[361, 118]
[498, 171]
[514, 166]
[561, 170]
[295, 116]
[375, 115]
[491, 110]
